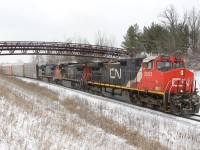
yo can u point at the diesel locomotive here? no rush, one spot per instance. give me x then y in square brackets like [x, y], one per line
[158, 82]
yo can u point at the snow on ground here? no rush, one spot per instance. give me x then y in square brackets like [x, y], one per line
[171, 131]
[49, 125]
[197, 77]
[32, 121]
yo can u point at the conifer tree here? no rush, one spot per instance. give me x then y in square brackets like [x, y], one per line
[132, 40]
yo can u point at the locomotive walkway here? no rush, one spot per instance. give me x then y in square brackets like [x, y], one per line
[59, 48]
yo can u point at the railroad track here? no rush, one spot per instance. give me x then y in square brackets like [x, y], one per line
[196, 115]
[193, 117]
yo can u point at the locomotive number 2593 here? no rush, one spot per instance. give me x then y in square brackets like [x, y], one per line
[148, 74]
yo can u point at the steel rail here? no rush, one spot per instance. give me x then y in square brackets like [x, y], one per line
[193, 117]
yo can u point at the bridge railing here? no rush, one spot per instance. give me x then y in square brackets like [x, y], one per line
[59, 48]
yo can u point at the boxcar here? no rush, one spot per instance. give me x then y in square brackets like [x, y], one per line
[31, 70]
[7, 69]
[18, 70]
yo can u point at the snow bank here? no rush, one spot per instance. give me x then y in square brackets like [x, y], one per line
[171, 131]
[20, 130]
[197, 77]
[46, 124]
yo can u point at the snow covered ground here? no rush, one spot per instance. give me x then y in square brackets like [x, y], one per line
[197, 77]
[32, 121]
[35, 120]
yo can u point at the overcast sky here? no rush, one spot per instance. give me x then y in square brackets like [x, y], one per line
[58, 20]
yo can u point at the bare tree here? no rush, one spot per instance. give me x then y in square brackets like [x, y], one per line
[52, 59]
[101, 39]
[55, 59]
[178, 30]
[170, 17]
[67, 58]
[194, 25]
[81, 40]
[112, 41]
[170, 20]
[37, 58]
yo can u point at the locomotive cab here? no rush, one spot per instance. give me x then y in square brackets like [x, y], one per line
[165, 63]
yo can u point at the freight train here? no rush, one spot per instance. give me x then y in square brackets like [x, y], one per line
[158, 82]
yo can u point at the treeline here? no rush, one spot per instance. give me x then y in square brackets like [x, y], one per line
[174, 33]
[100, 38]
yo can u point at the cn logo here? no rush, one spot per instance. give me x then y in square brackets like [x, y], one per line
[114, 73]
[178, 82]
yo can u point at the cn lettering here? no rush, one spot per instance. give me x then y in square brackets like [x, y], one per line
[114, 73]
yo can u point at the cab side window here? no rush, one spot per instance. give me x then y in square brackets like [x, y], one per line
[148, 65]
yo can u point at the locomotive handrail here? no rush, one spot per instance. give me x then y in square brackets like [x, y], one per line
[169, 93]
[166, 89]
[167, 85]
[193, 87]
[195, 80]
[87, 77]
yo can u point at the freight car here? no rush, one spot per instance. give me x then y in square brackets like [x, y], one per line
[18, 70]
[7, 69]
[31, 70]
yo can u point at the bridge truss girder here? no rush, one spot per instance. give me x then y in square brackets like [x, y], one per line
[59, 48]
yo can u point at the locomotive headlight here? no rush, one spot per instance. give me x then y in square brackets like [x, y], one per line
[181, 91]
[182, 72]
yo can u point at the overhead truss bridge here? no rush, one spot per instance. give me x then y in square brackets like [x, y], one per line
[60, 48]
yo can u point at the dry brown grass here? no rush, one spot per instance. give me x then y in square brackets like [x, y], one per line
[133, 137]
[21, 101]
[32, 87]
[84, 112]
[16, 99]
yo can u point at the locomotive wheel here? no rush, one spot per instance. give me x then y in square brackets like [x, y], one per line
[101, 91]
[196, 108]
[132, 98]
[78, 86]
[73, 85]
[175, 109]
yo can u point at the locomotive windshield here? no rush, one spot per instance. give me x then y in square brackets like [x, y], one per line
[164, 64]
[178, 64]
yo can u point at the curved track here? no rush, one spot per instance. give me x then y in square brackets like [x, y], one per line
[194, 117]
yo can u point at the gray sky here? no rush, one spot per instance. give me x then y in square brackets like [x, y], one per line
[58, 20]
